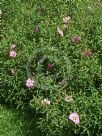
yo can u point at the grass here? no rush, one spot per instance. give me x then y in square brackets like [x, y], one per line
[16, 123]
[82, 74]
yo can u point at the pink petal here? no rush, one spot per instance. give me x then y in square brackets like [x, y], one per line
[60, 32]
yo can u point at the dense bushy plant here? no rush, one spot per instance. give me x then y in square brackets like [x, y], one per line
[51, 61]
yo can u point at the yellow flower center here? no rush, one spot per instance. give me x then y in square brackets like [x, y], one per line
[75, 118]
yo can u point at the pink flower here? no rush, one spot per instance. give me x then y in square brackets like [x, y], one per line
[63, 82]
[76, 38]
[36, 30]
[74, 117]
[49, 66]
[12, 54]
[87, 53]
[66, 19]
[45, 102]
[69, 99]
[65, 26]
[13, 46]
[60, 32]
[30, 83]
[13, 71]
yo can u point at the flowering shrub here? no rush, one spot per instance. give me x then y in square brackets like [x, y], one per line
[57, 71]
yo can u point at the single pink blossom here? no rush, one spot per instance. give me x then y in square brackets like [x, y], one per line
[13, 71]
[13, 46]
[30, 83]
[87, 53]
[45, 102]
[12, 54]
[68, 98]
[76, 38]
[65, 26]
[74, 117]
[62, 82]
[60, 32]
[49, 66]
[66, 19]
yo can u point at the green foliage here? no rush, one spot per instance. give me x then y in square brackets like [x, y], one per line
[56, 115]
[72, 74]
[14, 123]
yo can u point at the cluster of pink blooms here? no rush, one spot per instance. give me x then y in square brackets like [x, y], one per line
[12, 53]
[75, 38]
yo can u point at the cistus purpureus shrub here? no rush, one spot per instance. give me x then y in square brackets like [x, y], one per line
[51, 63]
